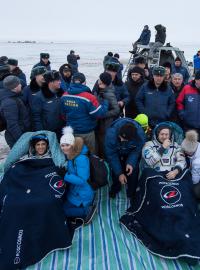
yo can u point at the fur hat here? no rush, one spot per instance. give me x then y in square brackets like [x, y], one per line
[159, 71]
[128, 131]
[78, 77]
[68, 137]
[51, 76]
[39, 70]
[190, 143]
[11, 82]
[44, 55]
[12, 62]
[112, 66]
[106, 78]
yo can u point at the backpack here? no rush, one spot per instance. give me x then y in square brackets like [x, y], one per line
[99, 172]
[2, 119]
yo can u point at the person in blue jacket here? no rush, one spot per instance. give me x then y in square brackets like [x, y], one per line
[196, 60]
[66, 76]
[44, 61]
[179, 68]
[81, 109]
[143, 39]
[123, 144]
[46, 111]
[13, 110]
[37, 81]
[156, 98]
[80, 195]
[16, 71]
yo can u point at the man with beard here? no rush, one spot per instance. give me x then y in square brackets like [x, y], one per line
[188, 104]
[16, 71]
[155, 98]
[66, 76]
[134, 81]
[46, 108]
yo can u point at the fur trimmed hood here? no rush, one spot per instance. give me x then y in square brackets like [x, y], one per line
[78, 148]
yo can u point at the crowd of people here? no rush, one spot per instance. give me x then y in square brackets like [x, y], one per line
[130, 124]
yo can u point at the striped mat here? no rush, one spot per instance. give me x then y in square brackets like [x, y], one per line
[105, 245]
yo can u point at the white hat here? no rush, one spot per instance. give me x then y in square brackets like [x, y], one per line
[68, 137]
[190, 143]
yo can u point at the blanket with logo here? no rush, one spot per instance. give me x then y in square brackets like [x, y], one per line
[32, 220]
[165, 216]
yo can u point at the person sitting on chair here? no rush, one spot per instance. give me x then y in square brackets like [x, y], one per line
[143, 39]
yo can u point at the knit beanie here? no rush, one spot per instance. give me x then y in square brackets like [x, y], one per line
[68, 137]
[11, 82]
[78, 78]
[37, 138]
[106, 78]
[177, 59]
[127, 132]
[137, 70]
[12, 62]
[190, 143]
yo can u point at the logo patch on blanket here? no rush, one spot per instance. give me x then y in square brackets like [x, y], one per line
[171, 196]
[57, 185]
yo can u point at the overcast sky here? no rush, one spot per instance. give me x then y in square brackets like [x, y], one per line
[64, 20]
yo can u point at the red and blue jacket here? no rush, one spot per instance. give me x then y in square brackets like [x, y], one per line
[188, 105]
[81, 109]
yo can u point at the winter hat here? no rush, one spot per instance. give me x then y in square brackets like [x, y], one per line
[67, 137]
[137, 70]
[67, 68]
[4, 70]
[39, 70]
[72, 51]
[139, 60]
[50, 76]
[106, 78]
[142, 119]
[112, 66]
[78, 78]
[127, 131]
[4, 60]
[40, 137]
[197, 75]
[12, 62]
[116, 55]
[11, 82]
[44, 55]
[159, 71]
[110, 54]
[168, 65]
[190, 143]
[177, 59]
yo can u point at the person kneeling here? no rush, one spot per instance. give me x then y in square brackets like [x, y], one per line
[80, 194]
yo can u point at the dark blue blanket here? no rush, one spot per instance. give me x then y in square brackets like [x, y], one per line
[32, 220]
[165, 216]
